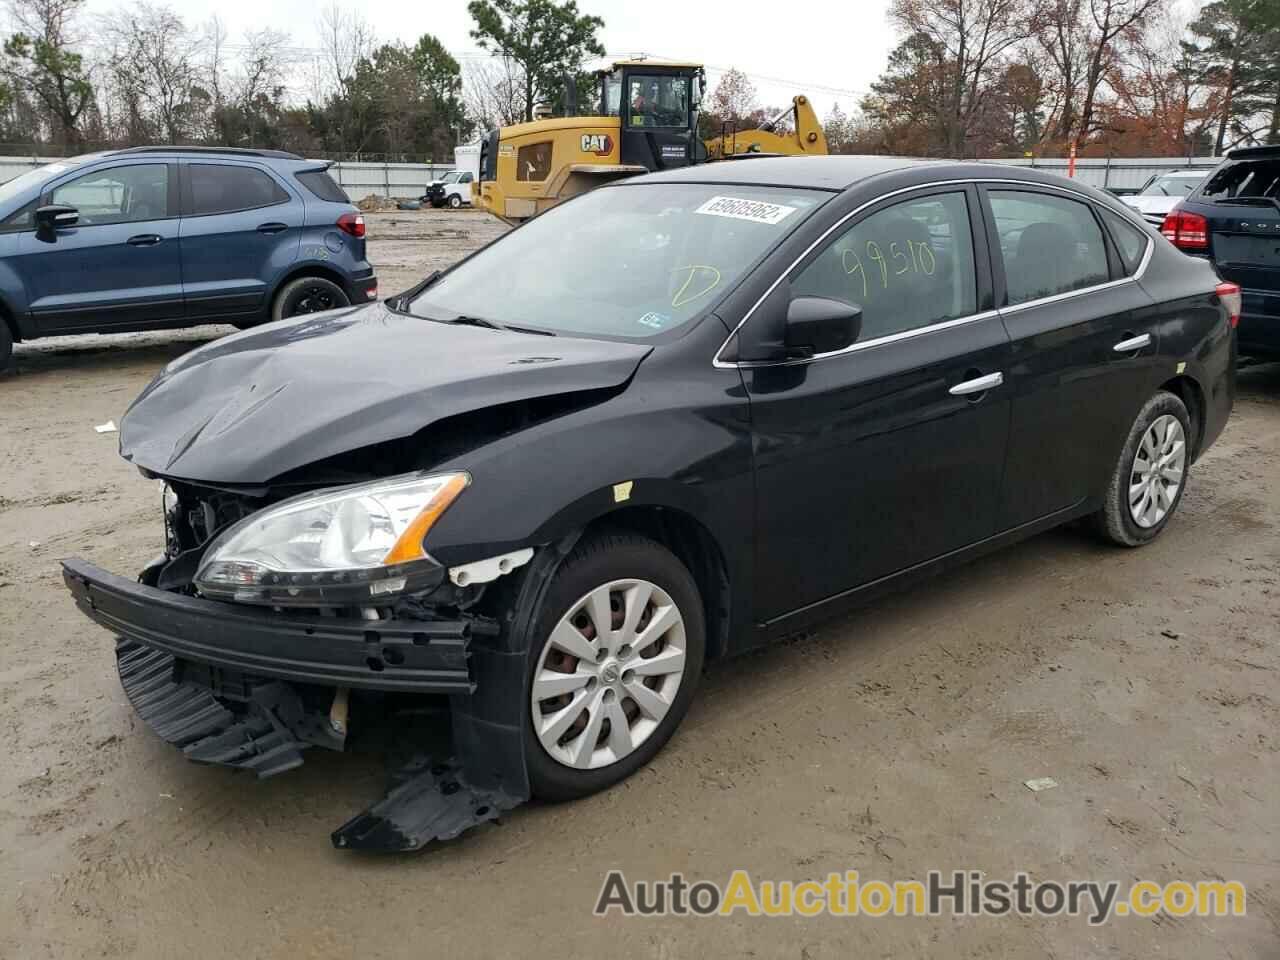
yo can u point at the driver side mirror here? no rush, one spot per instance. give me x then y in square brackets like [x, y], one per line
[49, 220]
[820, 325]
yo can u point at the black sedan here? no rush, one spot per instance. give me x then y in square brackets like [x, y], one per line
[664, 422]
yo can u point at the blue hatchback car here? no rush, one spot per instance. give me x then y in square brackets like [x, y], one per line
[156, 237]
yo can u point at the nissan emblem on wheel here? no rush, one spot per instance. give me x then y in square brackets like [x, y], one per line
[534, 495]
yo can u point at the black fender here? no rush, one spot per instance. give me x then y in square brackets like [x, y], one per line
[535, 487]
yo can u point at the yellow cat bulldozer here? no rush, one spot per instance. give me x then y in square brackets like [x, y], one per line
[647, 120]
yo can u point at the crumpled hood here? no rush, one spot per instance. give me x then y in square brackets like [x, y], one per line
[252, 406]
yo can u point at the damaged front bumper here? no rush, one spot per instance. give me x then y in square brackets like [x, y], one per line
[239, 687]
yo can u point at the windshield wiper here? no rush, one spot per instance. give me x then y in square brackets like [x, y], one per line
[464, 320]
[495, 325]
[400, 302]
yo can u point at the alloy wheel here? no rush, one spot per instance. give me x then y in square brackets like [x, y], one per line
[313, 300]
[608, 673]
[1156, 475]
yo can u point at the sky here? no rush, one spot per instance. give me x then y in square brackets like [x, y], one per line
[832, 53]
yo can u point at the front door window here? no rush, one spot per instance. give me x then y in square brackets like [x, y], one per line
[129, 194]
[907, 266]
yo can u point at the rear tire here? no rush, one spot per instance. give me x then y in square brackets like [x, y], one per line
[1150, 475]
[624, 683]
[308, 295]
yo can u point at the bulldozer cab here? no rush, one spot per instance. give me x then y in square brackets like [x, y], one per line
[657, 106]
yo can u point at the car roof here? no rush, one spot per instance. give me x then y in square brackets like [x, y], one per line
[1250, 153]
[204, 151]
[839, 173]
[818, 172]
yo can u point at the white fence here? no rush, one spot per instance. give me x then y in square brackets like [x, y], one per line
[402, 180]
[398, 180]
[1117, 172]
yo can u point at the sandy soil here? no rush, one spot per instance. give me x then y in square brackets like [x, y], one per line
[893, 742]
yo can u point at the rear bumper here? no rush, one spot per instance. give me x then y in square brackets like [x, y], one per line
[1259, 330]
[363, 286]
[399, 655]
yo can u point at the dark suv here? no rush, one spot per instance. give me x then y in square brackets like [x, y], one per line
[155, 237]
[1233, 219]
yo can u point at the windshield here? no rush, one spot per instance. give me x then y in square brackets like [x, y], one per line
[628, 262]
[659, 101]
[450, 177]
[19, 184]
[1171, 186]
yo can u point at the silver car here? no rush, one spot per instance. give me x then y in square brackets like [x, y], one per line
[1162, 192]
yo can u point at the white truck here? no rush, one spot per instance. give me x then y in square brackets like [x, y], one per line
[454, 188]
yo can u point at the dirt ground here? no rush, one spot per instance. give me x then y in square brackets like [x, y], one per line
[893, 742]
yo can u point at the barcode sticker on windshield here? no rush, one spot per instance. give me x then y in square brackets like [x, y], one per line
[757, 211]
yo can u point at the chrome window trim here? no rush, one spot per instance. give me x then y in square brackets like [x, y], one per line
[943, 325]
[865, 344]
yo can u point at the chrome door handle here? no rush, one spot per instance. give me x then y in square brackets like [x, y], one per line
[980, 385]
[1132, 344]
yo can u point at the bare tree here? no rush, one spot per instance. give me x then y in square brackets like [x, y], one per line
[974, 36]
[734, 98]
[155, 62]
[1162, 104]
[346, 38]
[215, 61]
[1082, 37]
[493, 91]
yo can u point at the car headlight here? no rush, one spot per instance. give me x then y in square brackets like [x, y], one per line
[349, 545]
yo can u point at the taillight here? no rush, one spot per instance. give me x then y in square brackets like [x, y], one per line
[1229, 294]
[1187, 231]
[352, 224]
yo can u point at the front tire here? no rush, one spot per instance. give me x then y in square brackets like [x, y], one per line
[308, 295]
[455, 201]
[1150, 475]
[6, 347]
[600, 704]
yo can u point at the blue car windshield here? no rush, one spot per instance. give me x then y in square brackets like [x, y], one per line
[630, 262]
[32, 178]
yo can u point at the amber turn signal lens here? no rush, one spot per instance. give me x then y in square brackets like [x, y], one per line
[409, 546]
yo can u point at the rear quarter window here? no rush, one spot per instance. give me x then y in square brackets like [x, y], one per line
[323, 186]
[1131, 241]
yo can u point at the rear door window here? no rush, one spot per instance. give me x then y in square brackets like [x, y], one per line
[907, 266]
[1049, 244]
[227, 188]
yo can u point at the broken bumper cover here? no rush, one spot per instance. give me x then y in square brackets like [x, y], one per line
[418, 656]
[172, 647]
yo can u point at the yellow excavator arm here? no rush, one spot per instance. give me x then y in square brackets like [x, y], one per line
[803, 137]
